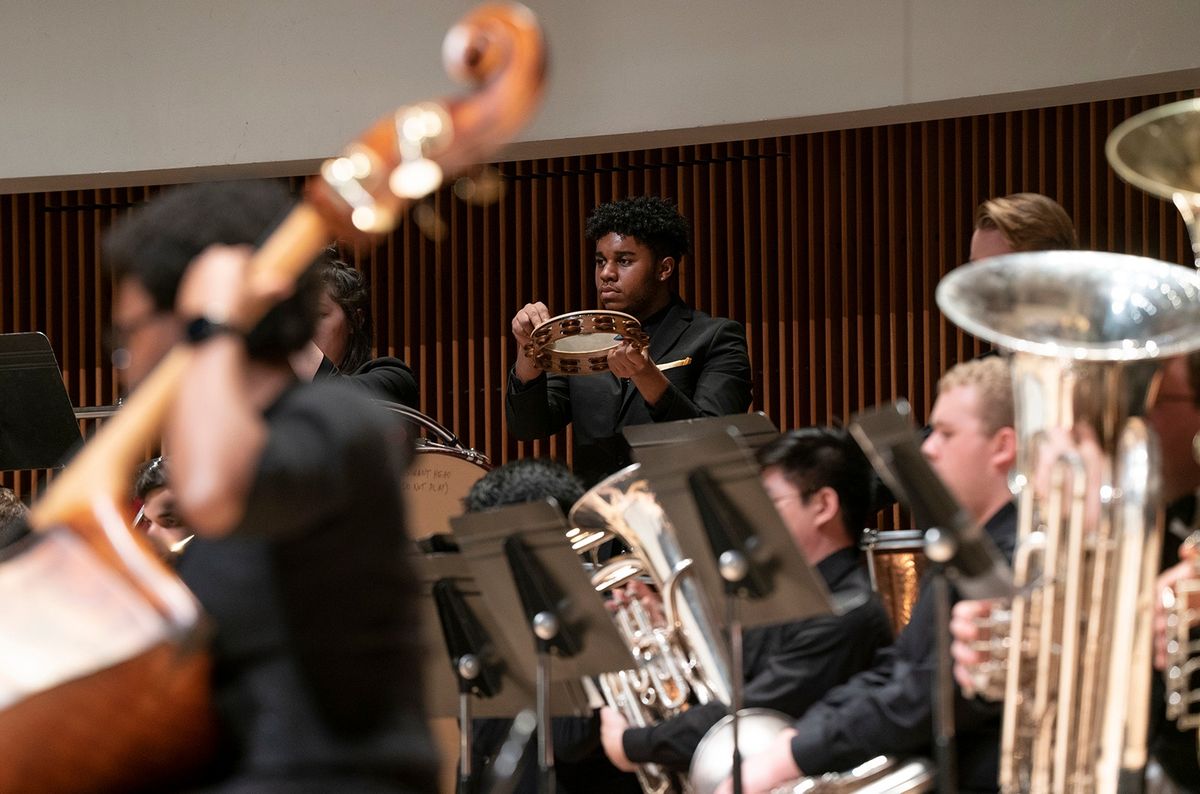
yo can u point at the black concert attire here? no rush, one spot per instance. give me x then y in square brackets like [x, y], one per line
[384, 378]
[888, 709]
[316, 674]
[715, 383]
[1175, 750]
[787, 667]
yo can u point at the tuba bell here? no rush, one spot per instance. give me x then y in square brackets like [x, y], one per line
[1159, 152]
[1087, 332]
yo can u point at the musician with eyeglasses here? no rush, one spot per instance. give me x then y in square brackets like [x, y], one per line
[293, 491]
[820, 484]
[888, 708]
[639, 245]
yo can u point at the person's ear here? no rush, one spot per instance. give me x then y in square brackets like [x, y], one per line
[1004, 448]
[666, 266]
[828, 504]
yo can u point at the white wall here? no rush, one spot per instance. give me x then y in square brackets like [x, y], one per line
[119, 91]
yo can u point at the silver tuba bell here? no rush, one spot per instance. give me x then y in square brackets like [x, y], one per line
[1087, 331]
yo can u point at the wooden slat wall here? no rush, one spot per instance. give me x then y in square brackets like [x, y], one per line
[827, 246]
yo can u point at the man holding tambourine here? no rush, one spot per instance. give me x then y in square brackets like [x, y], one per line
[647, 355]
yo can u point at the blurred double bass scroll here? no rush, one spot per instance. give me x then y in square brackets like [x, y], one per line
[103, 674]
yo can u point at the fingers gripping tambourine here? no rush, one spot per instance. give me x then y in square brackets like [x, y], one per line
[578, 343]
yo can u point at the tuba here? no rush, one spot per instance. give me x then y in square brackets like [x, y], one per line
[1159, 152]
[1087, 332]
[684, 660]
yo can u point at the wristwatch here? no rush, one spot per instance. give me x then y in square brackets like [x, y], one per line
[201, 328]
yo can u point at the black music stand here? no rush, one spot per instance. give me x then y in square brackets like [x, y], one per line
[478, 675]
[525, 567]
[37, 422]
[958, 548]
[756, 430]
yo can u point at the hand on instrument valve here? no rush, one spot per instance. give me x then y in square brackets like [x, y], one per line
[633, 362]
[641, 592]
[1184, 571]
[612, 737]
[524, 321]
[975, 664]
[768, 770]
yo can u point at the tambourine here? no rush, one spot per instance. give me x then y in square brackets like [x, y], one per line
[578, 343]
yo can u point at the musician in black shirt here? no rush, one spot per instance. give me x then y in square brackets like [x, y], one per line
[293, 492]
[820, 484]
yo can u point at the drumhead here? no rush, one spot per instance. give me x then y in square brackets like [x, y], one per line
[436, 487]
[577, 343]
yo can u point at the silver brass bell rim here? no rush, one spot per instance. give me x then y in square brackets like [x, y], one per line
[1079, 305]
[583, 516]
[1154, 140]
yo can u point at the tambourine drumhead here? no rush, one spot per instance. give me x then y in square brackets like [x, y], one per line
[436, 485]
[577, 343]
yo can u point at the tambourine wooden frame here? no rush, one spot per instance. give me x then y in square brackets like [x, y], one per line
[623, 327]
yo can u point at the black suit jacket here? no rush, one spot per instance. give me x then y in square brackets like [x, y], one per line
[715, 383]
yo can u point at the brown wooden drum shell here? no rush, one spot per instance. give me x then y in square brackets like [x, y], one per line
[897, 562]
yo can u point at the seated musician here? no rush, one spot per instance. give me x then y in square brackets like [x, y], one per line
[887, 709]
[293, 492]
[159, 516]
[639, 244]
[1175, 416]
[820, 484]
[579, 762]
[342, 341]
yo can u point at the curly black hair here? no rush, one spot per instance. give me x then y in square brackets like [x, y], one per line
[349, 290]
[154, 245]
[653, 221]
[525, 480]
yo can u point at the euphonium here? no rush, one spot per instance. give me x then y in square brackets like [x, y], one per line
[686, 658]
[1087, 331]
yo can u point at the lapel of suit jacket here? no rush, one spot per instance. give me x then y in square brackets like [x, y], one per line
[679, 316]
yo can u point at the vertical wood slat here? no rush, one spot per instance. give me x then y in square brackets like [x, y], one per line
[827, 246]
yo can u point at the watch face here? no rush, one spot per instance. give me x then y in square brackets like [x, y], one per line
[202, 328]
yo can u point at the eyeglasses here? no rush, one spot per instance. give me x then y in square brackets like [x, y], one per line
[116, 339]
